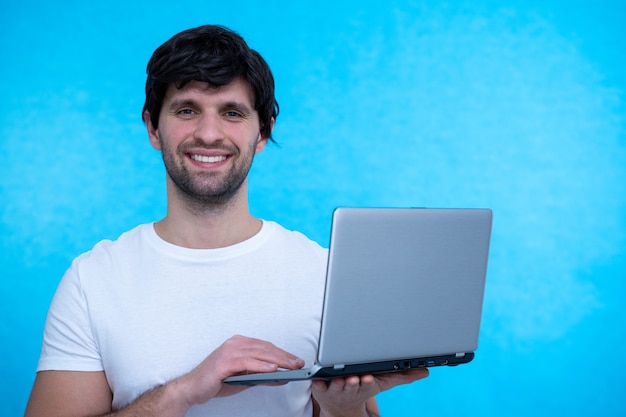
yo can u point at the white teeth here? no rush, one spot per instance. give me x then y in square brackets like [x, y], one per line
[204, 158]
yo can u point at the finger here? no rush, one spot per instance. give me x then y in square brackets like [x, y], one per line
[346, 384]
[247, 365]
[415, 374]
[319, 385]
[352, 383]
[276, 357]
[390, 380]
[244, 348]
[367, 379]
[324, 386]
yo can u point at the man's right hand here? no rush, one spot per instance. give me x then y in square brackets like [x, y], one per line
[238, 355]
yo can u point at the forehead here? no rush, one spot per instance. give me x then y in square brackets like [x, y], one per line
[238, 90]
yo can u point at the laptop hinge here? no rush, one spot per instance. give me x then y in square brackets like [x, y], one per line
[338, 367]
[460, 355]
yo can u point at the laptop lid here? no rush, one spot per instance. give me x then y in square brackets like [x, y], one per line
[404, 289]
[403, 283]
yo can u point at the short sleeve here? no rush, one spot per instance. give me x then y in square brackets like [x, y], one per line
[68, 341]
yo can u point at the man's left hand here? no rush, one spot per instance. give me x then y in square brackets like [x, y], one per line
[346, 397]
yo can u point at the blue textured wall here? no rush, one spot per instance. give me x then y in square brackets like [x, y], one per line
[518, 106]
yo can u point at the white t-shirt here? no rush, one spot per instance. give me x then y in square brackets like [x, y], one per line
[146, 311]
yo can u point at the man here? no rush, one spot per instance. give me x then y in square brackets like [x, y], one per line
[151, 324]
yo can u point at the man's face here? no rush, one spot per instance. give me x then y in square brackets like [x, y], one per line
[208, 137]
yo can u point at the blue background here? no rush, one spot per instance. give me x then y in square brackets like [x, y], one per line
[518, 106]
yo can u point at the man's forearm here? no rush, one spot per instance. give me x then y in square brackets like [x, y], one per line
[358, 413]
[161, 401]
[361, 412]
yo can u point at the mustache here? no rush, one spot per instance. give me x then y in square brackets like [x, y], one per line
[200, 144]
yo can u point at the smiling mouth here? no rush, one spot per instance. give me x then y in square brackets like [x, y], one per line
[208, 159]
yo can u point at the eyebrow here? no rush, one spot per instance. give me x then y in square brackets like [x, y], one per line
[185, 102]
[235, 105]
[241, 107]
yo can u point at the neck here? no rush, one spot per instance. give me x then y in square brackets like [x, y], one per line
[207, 226]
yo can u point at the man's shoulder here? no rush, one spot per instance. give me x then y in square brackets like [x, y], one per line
[124, 243]
[294, 239]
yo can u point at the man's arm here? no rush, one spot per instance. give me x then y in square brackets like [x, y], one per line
[72, 393]
[79, 394]
[69, 393]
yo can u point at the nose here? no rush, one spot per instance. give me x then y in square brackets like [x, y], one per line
[209, 128]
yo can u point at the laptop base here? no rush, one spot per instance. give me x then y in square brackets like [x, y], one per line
[328, 373]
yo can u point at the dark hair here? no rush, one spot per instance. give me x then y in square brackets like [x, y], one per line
[214, 55]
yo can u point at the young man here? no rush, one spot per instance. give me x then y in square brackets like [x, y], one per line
[152, 323]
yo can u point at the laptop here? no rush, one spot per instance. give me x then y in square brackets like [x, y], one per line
[404, 290]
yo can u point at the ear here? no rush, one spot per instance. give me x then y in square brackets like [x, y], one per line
[262, 140]
[153, 134]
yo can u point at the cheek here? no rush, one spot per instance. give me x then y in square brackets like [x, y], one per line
[167, 136]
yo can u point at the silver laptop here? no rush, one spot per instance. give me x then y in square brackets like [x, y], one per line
[404, 290]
